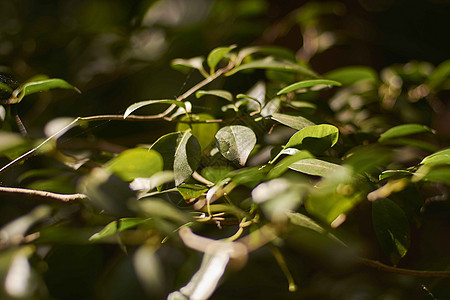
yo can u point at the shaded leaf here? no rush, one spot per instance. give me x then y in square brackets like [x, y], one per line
[187, 64]
[216, 55]
[268, 50]
[235, 143]
[308, 84]
[314, 166]
[219, 93]
[394, 174]
[391, 228]
[440, 74]
[296, 122]
[140, 104]
[403, 130]
[117, 226]
[134, 163]
[39, 86]
[181, 153]
[216, 174]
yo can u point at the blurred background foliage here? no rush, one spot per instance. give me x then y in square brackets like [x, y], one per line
[119, 52]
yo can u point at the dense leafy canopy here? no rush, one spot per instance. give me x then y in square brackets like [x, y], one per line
[258, 171]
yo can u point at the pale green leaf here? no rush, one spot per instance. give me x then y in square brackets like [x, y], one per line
[296, 122]
[235, 143]
[135, 163]
[140, 104]
[308, 84]
[218, 93]
[187, 64]
[313, 166]
[441, 157]
[203, 132]
[216, 55]
[189, 191]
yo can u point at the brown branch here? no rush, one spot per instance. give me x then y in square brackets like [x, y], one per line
[385, 268]
[41, 195]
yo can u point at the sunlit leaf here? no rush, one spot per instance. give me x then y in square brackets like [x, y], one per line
[308, 84]
[204, 132]
[296, 122]
[352, 74]
[267, 50]
[140, 104]
[394, 174]
[316, 139]
[40, 86]
[148, 184]
[117, 226]
[403, 130]
[236, 142]
[271, 64]
[391, 228]
[181, 153]
[134, 163]
[283, 165]
[219, 93]
[187, 64]
[216, 55]
[189, 191]
[313, 166]
[441, 157]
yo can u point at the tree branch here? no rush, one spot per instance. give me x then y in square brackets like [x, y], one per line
[385, 268]
[41, 195]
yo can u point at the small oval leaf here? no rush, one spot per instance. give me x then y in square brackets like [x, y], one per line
[117, 226]
[307, 84]
[204, 132]
[235, 143]
[216, 55]
[271, 64]
[352, 74]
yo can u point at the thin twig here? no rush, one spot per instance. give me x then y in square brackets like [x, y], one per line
[41, 195]
[418, 273]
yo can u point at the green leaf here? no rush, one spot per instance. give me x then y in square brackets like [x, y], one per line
[403, 130]
[271, 64]
[219, 93]
[189, 191]
[216, 174]
[314, 166]
[352, 74]
[117, 226]
[39, 86]
[441, 157]
[140, 104]
[181, 153]
[134, 163]
[216, 55]
[424, 145]
[308, 84]
[187, 64]
[316, 139]
[283, 165]
[440, 74]
[296, 122]
[5, 87]
[394, 174]
[267, 50]
[441, 174]
[203, 132]
[391, 228]
[235, 143]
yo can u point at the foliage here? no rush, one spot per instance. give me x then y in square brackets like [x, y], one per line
[296, 166]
